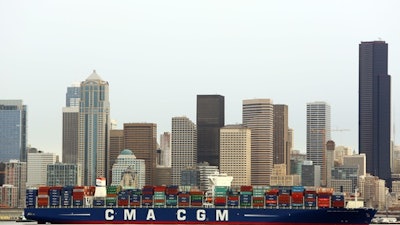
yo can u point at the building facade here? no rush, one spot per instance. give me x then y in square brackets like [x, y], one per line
[205, 170]
[210, 118]
[258, 116]
[359, 161]
[70, 124]
[310, 174]
[184, 146]
[9, 196]
[348, 173]
[330, 161]
[37, 167]
[13, 135]
[128, 163]
[64, 174]
[116, 146]
[94, 129]
[73, 95]
[165, 147]
[15, 174]
[141, 138]
[235, 153]
[281, 136]
[70, 134]
[374, 108]
[318, 133]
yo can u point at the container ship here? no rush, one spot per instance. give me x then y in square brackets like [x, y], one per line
[170, 205]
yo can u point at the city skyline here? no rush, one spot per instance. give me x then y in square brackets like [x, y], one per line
[250, 50]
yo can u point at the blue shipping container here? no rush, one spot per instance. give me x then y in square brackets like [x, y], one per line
[78, 202]
[98, 202]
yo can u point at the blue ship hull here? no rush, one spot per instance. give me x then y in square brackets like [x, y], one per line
[200, 215]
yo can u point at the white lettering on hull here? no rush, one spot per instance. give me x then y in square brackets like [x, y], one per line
[109, 214]
[201, 215]
[130, 214]
[181, 215]
[221, 215]
[151, 215]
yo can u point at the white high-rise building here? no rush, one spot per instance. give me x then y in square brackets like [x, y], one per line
[318, 133]
[128, 163]
[235, 153]
[183, 146]
[94, 129]
[37, 167]
[258, 116]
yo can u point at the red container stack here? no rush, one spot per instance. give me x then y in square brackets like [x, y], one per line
[284, 200]
[324, 197]
[43, 196]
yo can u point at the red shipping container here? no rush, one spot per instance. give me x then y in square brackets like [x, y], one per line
[159, 200]
[134, 203]
[43, 190]
[273, 192]
[183, 203]
[196, 193]
[123, 202]
[160, 188]
[233, 197]
[323, 202]
[246, 188]
[338, 204]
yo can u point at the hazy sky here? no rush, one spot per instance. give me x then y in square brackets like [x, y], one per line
[158, 55]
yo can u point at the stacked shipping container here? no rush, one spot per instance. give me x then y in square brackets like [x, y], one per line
[170, 196]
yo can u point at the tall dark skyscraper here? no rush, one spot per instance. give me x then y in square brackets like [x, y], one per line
[70, 125]
[210, 118]
[374, 108]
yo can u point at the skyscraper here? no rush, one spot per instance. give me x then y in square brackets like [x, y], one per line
[258, 115]
[70, 124]
[235, 155]
[141, 138]
[330, 161]
[184, 146]
[374, 108]
[281, 136]
[73, 95]
[210, 118]
[13, 121]
[116, 146]
[165, 146]
[93, 128]
[318, 133]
